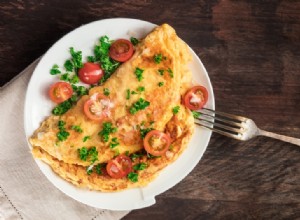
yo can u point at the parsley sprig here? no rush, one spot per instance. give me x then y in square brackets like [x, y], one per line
[90, 154]
[139, 73]
[141, 104]
[106, 131]
[175, 110]
[62, 135]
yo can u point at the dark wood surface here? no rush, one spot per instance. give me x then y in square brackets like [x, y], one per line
[251, 50]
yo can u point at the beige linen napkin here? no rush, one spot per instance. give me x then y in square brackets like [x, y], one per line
[25, 193]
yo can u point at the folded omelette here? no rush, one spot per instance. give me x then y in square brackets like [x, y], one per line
[172, 73]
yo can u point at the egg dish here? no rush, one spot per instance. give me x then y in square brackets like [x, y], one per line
[143, 124]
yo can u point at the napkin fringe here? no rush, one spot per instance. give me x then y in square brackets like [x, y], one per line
[10, 202]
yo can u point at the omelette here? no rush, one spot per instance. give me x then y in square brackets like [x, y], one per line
[137, 103]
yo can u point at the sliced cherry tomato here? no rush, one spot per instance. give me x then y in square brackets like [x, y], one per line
[60, 91]
[119, 167]
[157, 142]
[121, 50]
[97, 107]
[90, 73]
[195, 98]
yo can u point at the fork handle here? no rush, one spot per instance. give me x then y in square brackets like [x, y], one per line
[284, 138]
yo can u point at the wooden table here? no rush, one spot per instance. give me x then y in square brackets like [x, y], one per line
[251, 51]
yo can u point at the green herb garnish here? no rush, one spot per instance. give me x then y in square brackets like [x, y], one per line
[63, 107]
[85, 138]
[76, 58]
[170, 72]
[89, 170]
[99, 167]
[55, 70]
[91, 59]
[101, 55]
[128, 94]
[175, 110]
[160, 84]
[85, 154]
[114, 142]
[139, 105]
[106, 131]
[62, 135]
[69, 65]
[106, 91]
[141, 89]
[139, 73]
[157, 58]
[196, 114]
[134, 41]
[77, 128]
[161, 72]
[140, 166]
[133, 177]
[134, 156]
[144, 132]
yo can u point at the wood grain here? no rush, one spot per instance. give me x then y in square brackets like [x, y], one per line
[251, 50]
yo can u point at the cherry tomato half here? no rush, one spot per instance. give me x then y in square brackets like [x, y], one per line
[119, 167]
[157, 142]
[121, 50]
[97, 107]
[60, 91]
[90, 73]
[195, 98]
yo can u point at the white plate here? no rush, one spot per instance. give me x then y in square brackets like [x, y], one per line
[38, 107]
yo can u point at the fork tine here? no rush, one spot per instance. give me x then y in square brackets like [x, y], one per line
[218, 131]
[229, 116]
[222, 120]
[237, 130]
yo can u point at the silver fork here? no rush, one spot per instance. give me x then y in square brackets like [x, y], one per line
[237, 127]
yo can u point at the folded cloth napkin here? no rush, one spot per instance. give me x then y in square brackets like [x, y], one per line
[25, 193]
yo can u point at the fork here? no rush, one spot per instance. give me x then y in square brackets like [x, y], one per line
[237, 127]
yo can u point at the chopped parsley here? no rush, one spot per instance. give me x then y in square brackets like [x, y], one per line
[150, 156]
[85, 138]
[161, 72]
[175, 110]
[106, 131]
[77, 128]
[133, 177]
[128, 94]
[69, 65]
[106, 91]
[76, 58]
[160, 84]
[133, 92]
[140, 166]
[134, 156]
[91, 59]
[141, 89]
[145, 131]
[99, 167]
[63, 107]
[114, 142]
[127, 153]
[89, 170]
[134, 41]
[54, 70]
[101, 55]
[158, 58]
[139, 73]
[90, 154]
[139, 105]
[68, 78]
[62, 135]
[80, 90]
[170, 72]
[196, 114]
